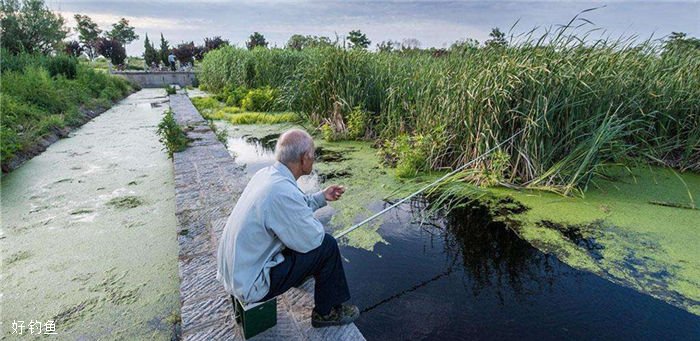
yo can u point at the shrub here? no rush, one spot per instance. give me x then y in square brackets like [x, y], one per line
[170, 90]
[62, 65]
[356, 123]
[262, 99]
[235, 96]
[171, 135]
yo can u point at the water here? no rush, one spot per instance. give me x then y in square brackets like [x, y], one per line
[465, 277]
[89, 227]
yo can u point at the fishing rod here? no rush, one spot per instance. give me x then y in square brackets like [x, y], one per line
[374, 216]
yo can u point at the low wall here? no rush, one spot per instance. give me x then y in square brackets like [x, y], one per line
[158, 79]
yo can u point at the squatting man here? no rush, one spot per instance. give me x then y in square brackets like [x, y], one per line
[273, 242]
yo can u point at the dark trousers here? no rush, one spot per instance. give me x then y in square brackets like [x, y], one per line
[324, 263]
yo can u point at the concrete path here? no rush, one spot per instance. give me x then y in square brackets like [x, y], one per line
[207, 184]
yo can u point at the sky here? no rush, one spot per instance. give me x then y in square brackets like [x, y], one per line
[433, 23]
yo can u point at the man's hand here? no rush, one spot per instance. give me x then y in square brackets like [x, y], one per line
[333, 192]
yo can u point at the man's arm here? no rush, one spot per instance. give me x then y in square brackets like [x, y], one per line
[291, 218]
[315, 200]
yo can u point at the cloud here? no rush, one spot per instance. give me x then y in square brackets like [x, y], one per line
[434, 23]
[105, 21]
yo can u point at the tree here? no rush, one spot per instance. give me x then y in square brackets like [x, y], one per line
[465, 46]
[185, 53]
[387, 46]
[300, 42]
[498, 38]
[410, 44]
[214, 43]
[122, 32]
[30, 27]
[111, 49]
[199, 52]
[678, 43]
[256, 39]
[296, 42]
[150, 55]
[73, 48]
[88, 34]
[164, 50]
[358, 40]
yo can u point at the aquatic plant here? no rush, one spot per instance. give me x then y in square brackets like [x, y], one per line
[263, 118]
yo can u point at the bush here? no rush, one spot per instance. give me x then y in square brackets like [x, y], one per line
[262, 99]
[62, 65]
[171, 135]
[170, 90]
[235, 97]
[356, 123]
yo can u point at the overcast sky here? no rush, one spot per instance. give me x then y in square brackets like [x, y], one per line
[433, 23]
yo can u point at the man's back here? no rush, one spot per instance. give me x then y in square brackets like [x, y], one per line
[272, 213]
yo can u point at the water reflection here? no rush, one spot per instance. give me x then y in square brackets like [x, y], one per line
[463, 276]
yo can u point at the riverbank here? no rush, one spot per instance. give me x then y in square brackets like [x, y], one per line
[45, 97]
[56, 133]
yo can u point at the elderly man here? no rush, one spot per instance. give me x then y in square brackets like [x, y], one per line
[273, 242]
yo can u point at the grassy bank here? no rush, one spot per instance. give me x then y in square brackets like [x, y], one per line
[42, 95]
[582, 105]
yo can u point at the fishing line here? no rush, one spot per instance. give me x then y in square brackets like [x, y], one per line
[374, 216]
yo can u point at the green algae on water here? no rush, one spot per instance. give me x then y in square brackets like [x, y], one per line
[618, 232]
[124, 202]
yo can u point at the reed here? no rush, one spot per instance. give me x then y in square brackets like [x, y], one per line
[582, 104]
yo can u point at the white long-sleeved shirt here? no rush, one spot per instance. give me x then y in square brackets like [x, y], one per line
[271, 214]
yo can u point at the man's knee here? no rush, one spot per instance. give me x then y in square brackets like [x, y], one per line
[329, 242]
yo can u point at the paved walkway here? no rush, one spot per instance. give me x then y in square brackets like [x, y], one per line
[207, 184]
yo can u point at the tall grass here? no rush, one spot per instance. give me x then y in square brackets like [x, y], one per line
[42, 93]
[582, 104]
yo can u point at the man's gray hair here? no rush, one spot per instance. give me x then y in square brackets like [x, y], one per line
[292, 145]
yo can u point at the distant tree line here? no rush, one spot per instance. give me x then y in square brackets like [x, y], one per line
[676, 42]
[186, 52]
[30, 26]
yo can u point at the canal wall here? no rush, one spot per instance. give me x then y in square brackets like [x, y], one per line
[207, 184]
[158, 79]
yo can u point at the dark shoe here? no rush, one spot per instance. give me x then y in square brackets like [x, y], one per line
[340, 315]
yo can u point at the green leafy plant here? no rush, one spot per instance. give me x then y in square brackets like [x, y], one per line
[262, 99]
[171, 134]
[170, 90]
[356, 123]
